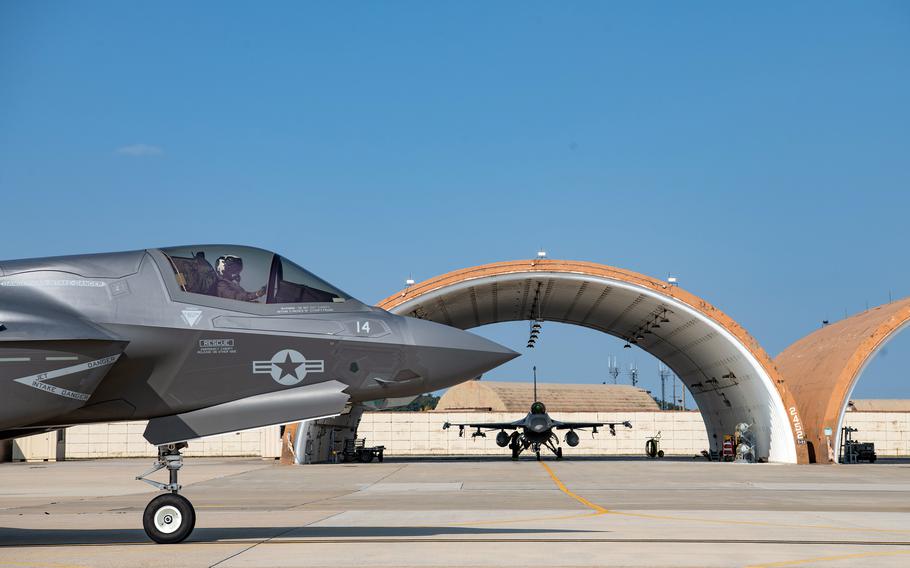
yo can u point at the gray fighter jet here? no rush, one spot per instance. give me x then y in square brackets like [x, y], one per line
[204, 340]
[534, 430]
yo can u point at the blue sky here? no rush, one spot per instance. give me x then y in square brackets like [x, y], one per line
[760, 152]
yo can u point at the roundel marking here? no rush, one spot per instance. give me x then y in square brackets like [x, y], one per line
[288, 367]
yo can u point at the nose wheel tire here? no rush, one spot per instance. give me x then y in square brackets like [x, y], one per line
[169, 518]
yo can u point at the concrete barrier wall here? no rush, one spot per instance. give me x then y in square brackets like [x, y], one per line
[40, 447]
[421, 433]
[683, 433]
[890, 431]
[124, 440]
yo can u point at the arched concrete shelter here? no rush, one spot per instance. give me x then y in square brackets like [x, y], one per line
[731, 377]
[824, 366]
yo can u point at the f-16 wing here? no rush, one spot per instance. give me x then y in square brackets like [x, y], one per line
[557, 425]
[485, 426]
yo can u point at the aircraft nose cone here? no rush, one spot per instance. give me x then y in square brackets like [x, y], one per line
[451, 355]
[538, 424]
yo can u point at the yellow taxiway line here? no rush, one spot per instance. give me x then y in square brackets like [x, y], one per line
[604, 511]
[829, 559]
[860, 555]
[562, 487]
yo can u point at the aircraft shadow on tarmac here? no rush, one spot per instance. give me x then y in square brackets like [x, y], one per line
[14, 537]
[488, 458]
[894, 461]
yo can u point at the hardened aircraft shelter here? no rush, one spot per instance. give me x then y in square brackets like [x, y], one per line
[825, 366]
[731, 377]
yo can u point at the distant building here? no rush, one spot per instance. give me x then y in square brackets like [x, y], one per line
[879, 405]
[492, 396]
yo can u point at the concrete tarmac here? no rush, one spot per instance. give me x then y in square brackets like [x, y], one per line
[464, 512]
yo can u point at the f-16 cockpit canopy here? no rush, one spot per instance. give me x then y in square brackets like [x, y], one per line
[538, 408]
[247, 274]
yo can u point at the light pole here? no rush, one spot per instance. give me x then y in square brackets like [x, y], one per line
[664, 374]
[633, 374]
[674, 393]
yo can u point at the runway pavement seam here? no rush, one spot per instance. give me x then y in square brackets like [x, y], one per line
[251, 547]
[330, 497]
[412, 540]
[277, 540]
[266, 541]
[384, 477]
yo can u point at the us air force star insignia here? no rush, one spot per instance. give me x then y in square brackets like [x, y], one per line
[288, 367]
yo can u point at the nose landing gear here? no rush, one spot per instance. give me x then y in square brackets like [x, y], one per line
[168, 518]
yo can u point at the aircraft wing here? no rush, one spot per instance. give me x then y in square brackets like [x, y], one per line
[486, 426]
[557, 425]
[318, 400]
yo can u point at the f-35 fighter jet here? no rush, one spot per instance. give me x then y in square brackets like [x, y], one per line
[204, 340]
[536, 429]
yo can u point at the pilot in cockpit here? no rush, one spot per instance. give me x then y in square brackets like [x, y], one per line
[228, 268]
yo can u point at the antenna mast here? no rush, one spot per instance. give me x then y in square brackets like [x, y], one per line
[633, 374]
[613, 368]
[664, 374]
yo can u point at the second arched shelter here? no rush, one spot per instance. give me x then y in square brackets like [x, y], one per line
[731, 377]
[824, 367]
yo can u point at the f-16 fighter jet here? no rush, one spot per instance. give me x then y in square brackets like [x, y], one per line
[534, 430]
[204, 340]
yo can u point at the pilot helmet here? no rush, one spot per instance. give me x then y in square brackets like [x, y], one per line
[229, 267]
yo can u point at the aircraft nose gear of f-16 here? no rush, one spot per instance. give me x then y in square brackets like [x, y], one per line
[168, 518]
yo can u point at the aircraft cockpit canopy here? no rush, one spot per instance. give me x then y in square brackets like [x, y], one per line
[247, 274]
[538, 408]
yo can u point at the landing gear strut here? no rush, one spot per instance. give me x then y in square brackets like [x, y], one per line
[168, 518]
[515, 445]
[557, 450]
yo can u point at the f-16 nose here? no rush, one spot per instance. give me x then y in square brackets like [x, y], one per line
[451, 356]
